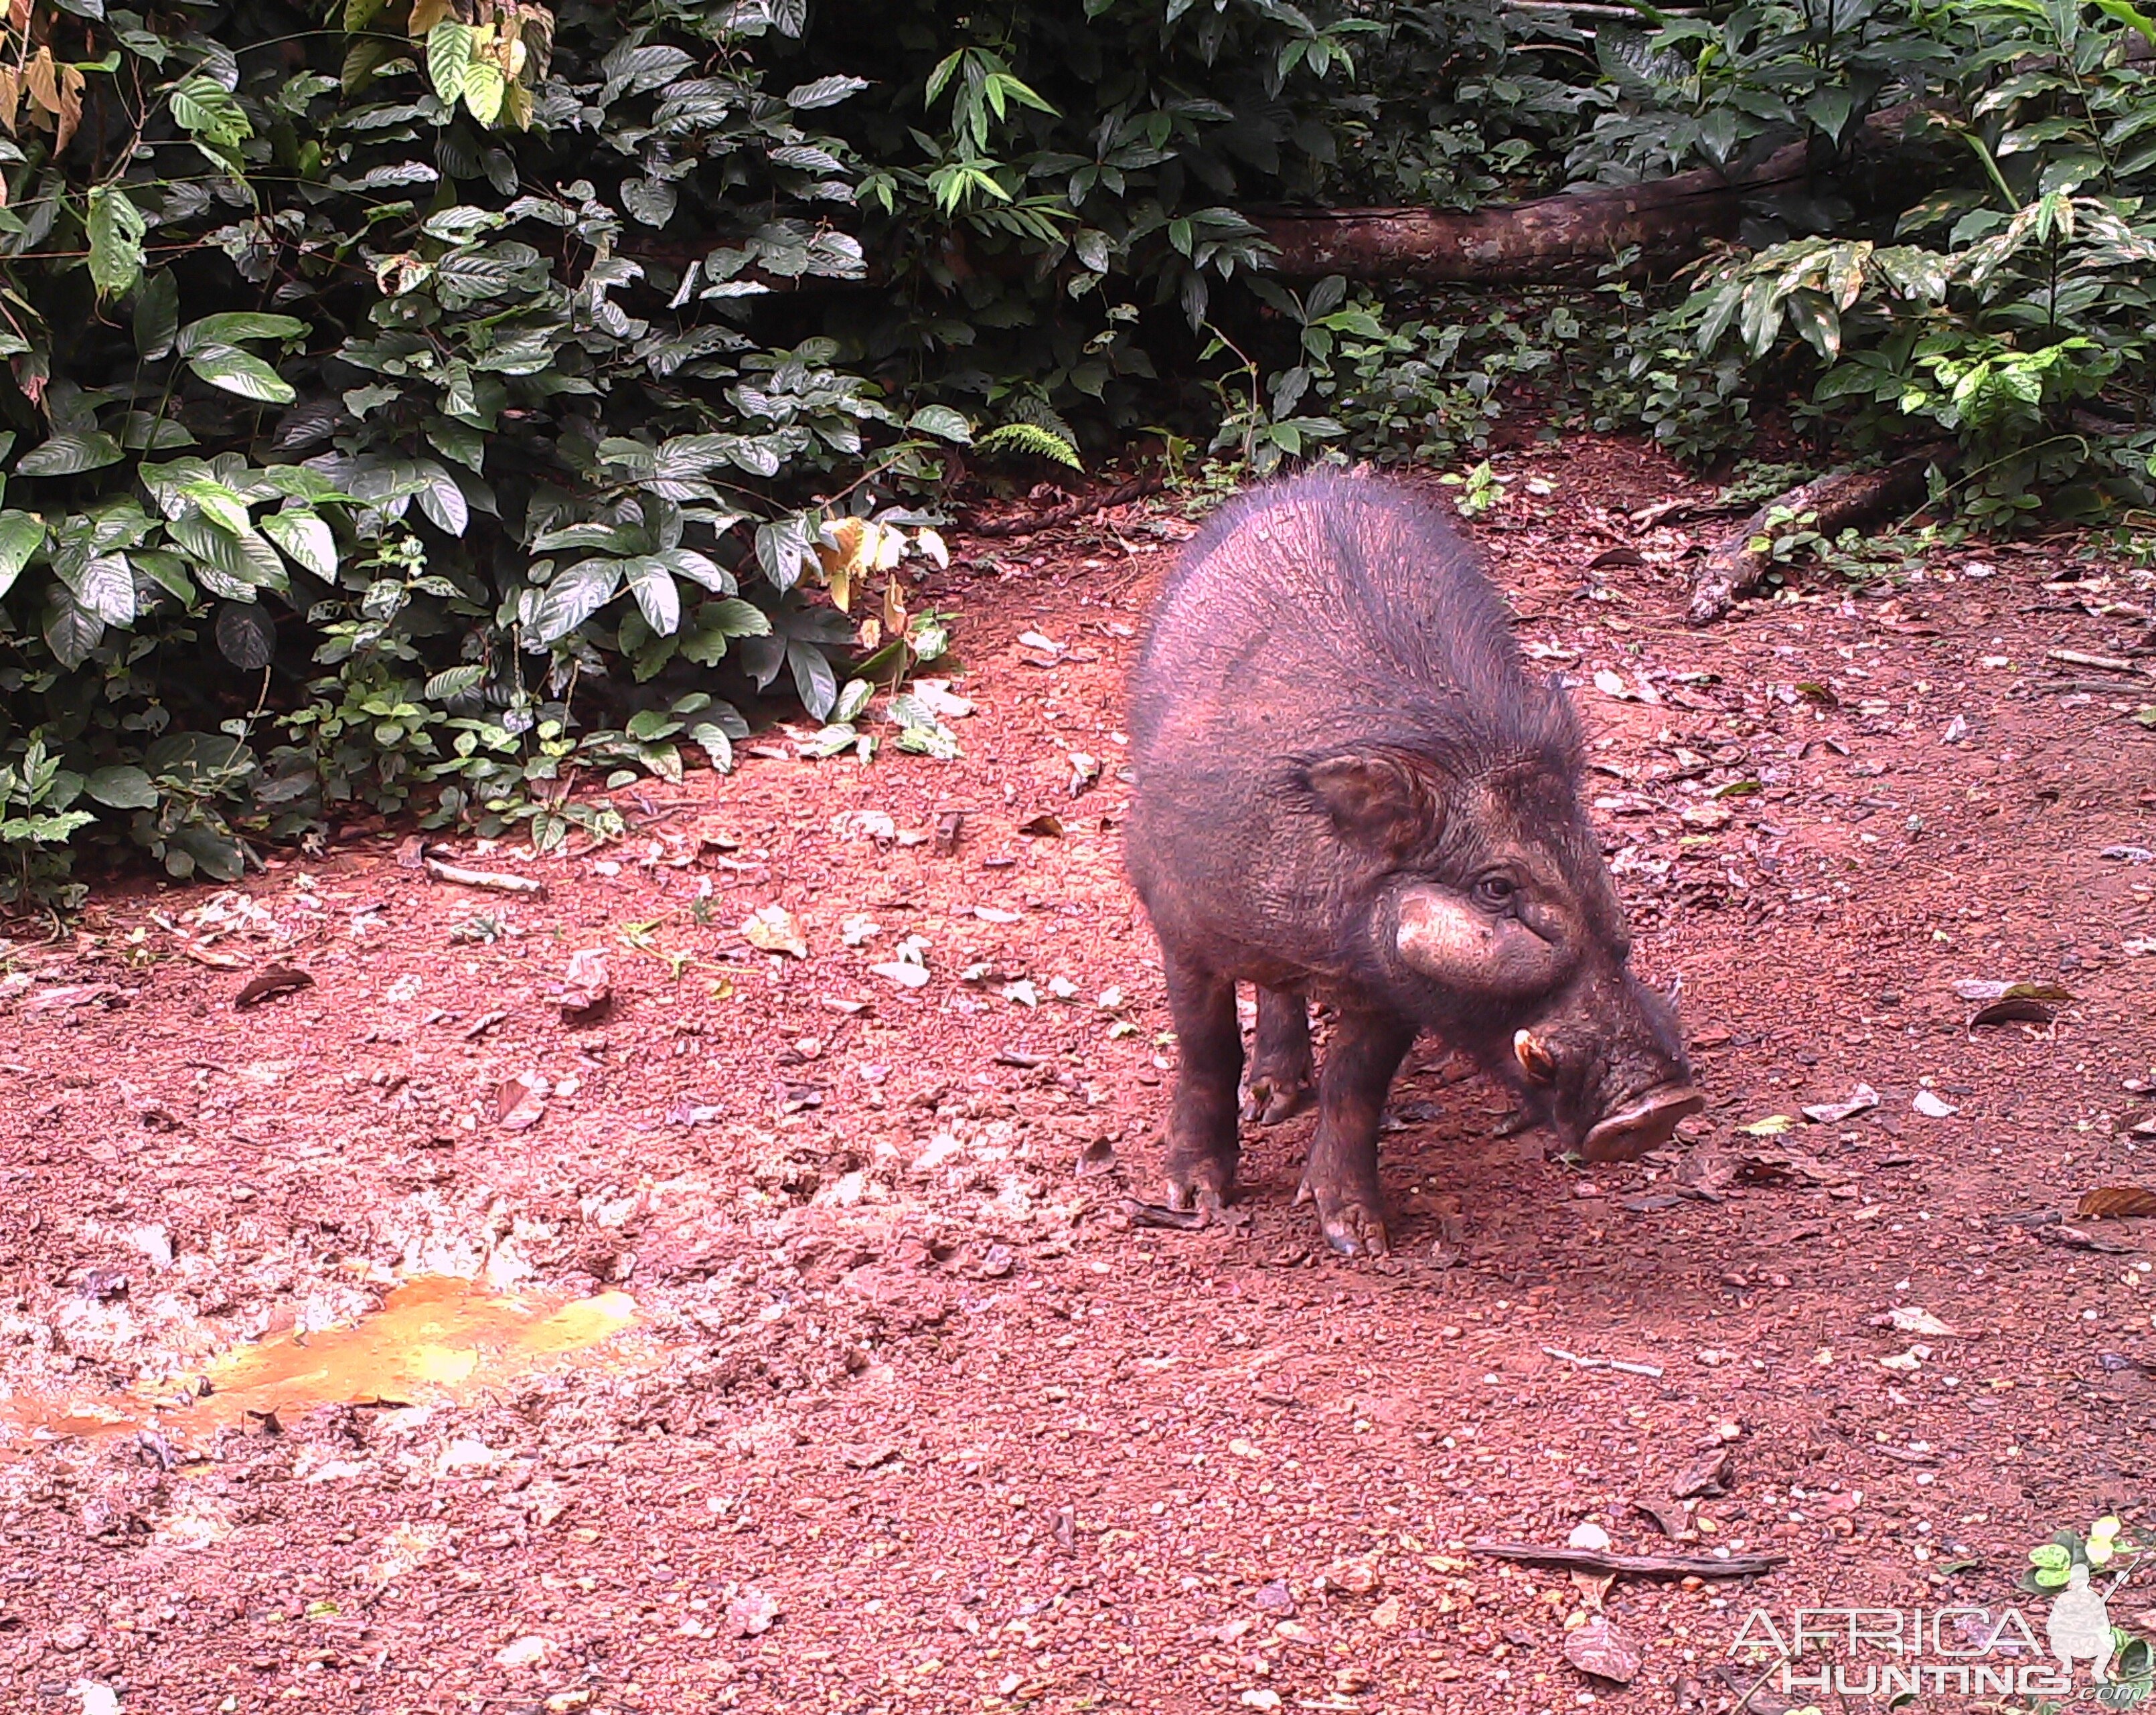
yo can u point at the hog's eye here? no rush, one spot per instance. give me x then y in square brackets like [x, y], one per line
[1494, 891]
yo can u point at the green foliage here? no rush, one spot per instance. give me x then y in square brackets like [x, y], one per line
[1030, 438]
[347, 386]
[2013, 315]
[35, 819]
[444, 407]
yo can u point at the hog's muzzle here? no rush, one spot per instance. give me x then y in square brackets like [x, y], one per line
[1644, 1125]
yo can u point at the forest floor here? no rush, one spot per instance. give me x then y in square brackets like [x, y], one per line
[395, 1344]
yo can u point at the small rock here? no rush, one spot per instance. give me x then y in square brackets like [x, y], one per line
[98, 1699]
[69, 1638]
[530, 1650]
[752, 1613]
[1589, 1536]
[1359, 1578]
[1387, 1613]
[1933, 1105]
[997, 1263]
[1261, 1698]
[1273, 1598]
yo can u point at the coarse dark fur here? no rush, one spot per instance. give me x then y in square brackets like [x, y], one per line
[1330, 719]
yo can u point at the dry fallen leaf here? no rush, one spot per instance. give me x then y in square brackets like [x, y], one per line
[1913, 1319]
[1975, 989]
[1598, 1648]
[2115, 1202]
[2020, 1009]
[772, 929]
[276, 980]
[1862, 1099]
[589, 995]
[519, 1103]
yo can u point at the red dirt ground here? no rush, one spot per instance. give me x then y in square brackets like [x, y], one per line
[912, 1418]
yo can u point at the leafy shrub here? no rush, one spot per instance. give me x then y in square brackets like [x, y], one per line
[2013, 318]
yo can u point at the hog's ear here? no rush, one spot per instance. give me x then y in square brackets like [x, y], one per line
[1379, 801]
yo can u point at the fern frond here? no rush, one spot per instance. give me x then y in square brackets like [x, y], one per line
[1030, 438]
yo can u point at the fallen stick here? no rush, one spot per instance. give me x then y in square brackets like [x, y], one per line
[1631, 1565]
[1845, 499]
[1557, 1352]
[2106, 663]
[484, 878]
[1121, 495]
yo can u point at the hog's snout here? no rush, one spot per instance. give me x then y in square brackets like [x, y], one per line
[1646, 1124]
[1607, 1067]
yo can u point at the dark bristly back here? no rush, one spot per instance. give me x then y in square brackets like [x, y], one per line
[1335, 605]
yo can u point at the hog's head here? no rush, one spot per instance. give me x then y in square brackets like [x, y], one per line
[1490, 917]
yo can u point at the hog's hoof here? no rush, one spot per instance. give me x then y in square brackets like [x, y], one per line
[1353, 1223]
[1205, 1191]
[1270, 1100]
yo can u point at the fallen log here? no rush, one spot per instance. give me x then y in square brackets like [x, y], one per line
[1552, 240]
[1843, 499]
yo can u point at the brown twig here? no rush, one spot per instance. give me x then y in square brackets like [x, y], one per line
[1631, 1565]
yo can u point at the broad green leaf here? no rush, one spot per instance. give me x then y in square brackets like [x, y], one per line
[246, 635]
[813, 679]
[656, 595]
[303, 535]
[104, 583]
[22, 533]
[441, 499]
[231, 327]
[72, 631]
[572, 597]
[116, 230]
[823, 92]
[240, 563]
[122, 788]
[943, 422]
[484, 87]
[2132, 17]
[455, 682]
[240, 373]
[448, 57]
[68, 455]
[218, 504]
[716, 743]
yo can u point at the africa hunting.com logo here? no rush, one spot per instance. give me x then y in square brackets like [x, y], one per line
[1900, 1655]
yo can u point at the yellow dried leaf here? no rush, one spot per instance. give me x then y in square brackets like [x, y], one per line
[38, 79]
[890, 547]
[70, 110]
[11, 97]
[894, 608]
[842, 553]
[842, 588]
[870, 633]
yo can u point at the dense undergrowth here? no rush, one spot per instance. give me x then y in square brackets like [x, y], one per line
[433, 406]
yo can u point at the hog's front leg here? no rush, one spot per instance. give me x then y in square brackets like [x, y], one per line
[1342, 1175]
[1201, 1146]
[1281, 1085]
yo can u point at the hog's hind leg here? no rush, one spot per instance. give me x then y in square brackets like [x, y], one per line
[1281, 1085]
[1201, 1145]
[1342, 1175]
